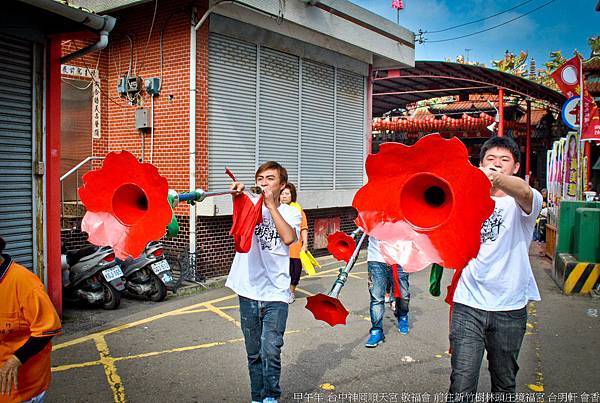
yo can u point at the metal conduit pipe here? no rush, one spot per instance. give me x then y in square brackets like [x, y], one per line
[101, 44]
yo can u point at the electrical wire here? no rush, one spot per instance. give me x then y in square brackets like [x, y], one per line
[161, 50]
[99, 86]
[65, 79]
[479, 20]
[130, 54]
[490, 28]
[149, 34]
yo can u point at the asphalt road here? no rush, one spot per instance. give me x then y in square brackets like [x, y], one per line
[190, 349]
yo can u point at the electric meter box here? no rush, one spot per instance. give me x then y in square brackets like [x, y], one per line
[133, 85]
[152, 85]
[121, 86]
[142, 119]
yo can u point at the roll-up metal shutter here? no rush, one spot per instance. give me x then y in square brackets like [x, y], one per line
[278, 105]
[16, 148]
[231, 110]
[317, 148]
[350, 130]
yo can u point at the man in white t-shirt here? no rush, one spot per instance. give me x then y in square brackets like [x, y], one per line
[490, 300]
[261, 278]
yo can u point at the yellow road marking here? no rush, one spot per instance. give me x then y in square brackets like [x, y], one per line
[303, 291]
[229, 307]
[190, 311]
[114, 380]
[156, 353]
[204, 310]
[189, 348]
[222, 314]
[324, 273]
[179, 349]
[136, 323]
[67, 367]
[539, 376]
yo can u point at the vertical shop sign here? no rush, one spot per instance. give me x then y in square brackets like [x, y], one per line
[96, 91]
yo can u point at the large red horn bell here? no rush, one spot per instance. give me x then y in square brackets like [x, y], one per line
[341, 245]
[425, 203]
[126, 203]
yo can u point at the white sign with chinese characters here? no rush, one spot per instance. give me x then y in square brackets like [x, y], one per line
[93, 74]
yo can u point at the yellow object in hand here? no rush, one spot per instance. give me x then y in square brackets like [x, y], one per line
[309, 263]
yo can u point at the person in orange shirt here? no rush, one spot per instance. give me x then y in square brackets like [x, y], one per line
[288, 196]
[28, 321]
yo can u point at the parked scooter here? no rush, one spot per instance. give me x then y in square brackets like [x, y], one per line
[149, 274]
[92, 274]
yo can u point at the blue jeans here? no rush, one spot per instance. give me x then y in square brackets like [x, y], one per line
[379, 276]
[263, 325]
[499, 333]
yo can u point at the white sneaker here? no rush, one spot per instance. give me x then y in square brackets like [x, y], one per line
[292, 299]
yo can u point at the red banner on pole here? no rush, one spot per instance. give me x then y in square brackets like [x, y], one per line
[590, 129]
[567, 77]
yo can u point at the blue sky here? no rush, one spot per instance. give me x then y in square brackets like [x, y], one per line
[561, 25]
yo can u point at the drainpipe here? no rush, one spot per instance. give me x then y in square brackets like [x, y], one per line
[194, 27]
[192, 160]
[101, 44]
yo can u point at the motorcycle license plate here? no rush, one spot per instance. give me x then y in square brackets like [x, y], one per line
[113, 273]
[161, 266]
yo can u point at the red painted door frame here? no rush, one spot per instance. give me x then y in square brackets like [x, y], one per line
[52, 201]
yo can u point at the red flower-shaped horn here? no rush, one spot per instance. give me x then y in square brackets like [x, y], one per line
[327, 309]
[126, 203]
[341, 245]
[425, 203]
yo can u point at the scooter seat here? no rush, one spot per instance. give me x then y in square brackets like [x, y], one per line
[73, 257]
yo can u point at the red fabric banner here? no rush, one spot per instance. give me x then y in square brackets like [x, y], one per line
[590, 129]
[567, 77]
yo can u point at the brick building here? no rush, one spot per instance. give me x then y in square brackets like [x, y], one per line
[275, 80]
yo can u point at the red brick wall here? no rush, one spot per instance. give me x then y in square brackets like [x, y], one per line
[171, 107]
